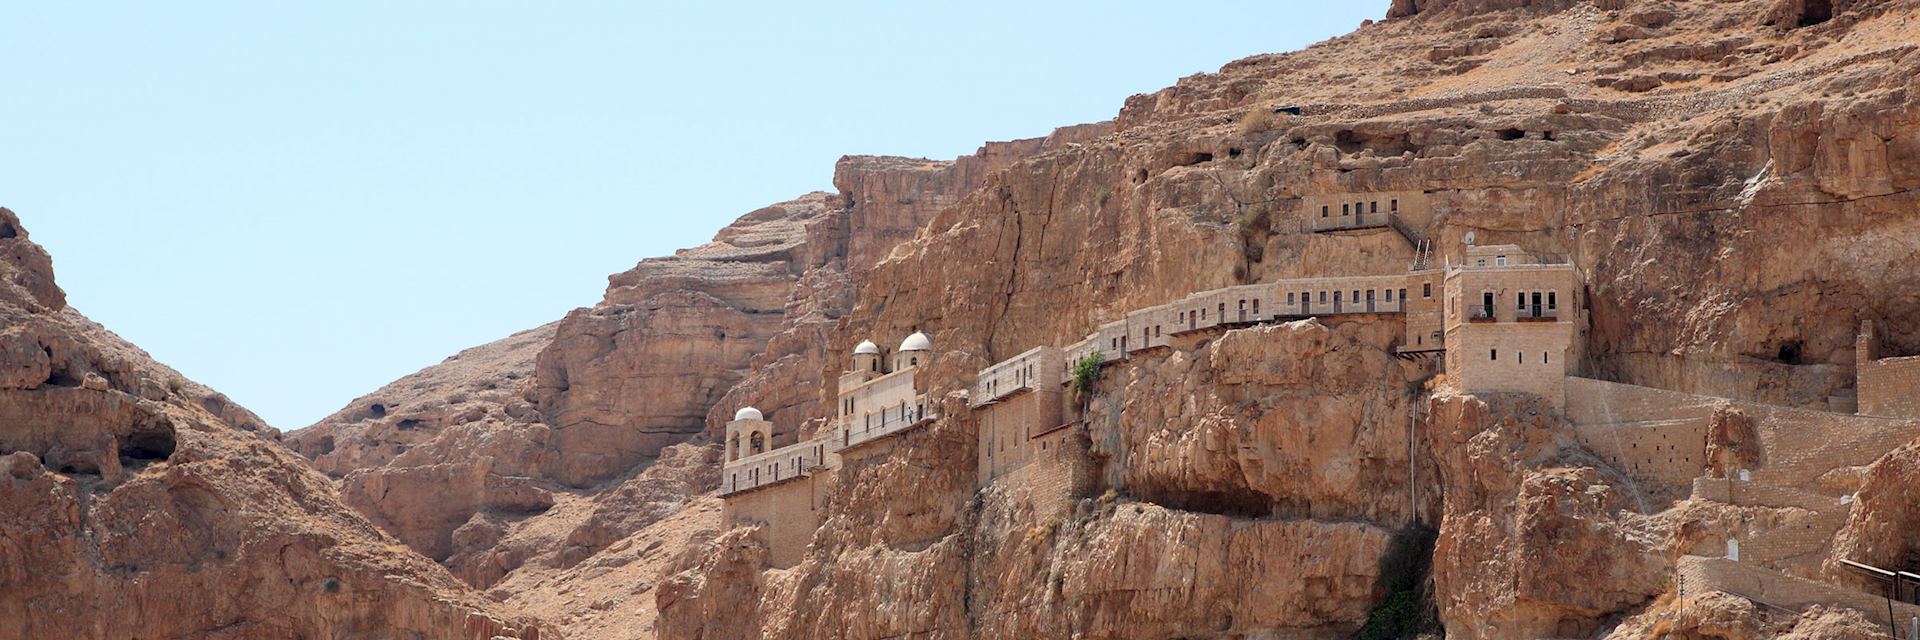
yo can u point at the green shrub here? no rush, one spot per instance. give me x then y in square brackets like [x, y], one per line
[1086, 373]
[1404, 569]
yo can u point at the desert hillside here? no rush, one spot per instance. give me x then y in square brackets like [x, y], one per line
[135, 503]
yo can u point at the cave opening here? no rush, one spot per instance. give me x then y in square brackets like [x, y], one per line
[1790, 353]
[378, 410]
[1814, 12]
[147, 444]
[408, 424]
[1197, 157]
[1247, 505]
[60, 375]
[7, 231]
[1512, 134]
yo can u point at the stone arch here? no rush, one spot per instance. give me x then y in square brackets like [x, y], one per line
[758, 443]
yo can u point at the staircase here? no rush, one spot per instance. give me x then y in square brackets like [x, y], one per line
[1422, 247]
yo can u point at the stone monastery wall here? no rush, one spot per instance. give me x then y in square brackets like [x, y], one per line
[1006, 426]
[788, 513]
[1336, 211]
[1058, 471]
[1891, 387]
[1698, 576]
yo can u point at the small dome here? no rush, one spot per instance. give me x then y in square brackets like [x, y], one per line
[917, 342]
[747, 413]
[867, 347]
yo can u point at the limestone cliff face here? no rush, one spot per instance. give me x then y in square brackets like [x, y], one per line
[1735, 182]
[517, 464]
[1732, 181]
[135, 503]
[911, 549]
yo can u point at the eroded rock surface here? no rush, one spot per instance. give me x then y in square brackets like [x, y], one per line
[135, 503]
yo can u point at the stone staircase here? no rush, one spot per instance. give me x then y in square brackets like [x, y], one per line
[1422, 247]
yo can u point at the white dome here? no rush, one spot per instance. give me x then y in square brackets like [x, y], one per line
[867, 347]
[917, 342]
[747, 413]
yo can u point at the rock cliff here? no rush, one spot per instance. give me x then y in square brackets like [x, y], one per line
[136, 503]
[1736, 183]
[1730, 179]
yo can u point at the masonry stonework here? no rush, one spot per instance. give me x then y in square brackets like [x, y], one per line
[787, 514]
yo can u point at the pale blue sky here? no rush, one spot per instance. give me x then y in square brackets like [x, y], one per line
[296, 203]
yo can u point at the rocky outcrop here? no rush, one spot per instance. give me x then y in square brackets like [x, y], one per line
[1535, 539]
[641, 370]
[1880, 531]
[127, 488]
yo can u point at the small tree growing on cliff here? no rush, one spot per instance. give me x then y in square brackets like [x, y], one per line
[1086, 372]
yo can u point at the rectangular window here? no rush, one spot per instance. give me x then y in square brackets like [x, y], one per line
[1494, 355]
[1156, 331]
[1346, 209]
[1393, 205]
[1522, 355]
[1290, 301]
[1336, 297]
[1543, 358]
[1356, 296]
[1243, 305]
[1256, 306]
[1323, 211]
[1521, 302]
[1552, 300]
[1499, 261]
[1426, 289]
[1389, 295]
[1373, 207]
[1323, 297]
[1403, 294]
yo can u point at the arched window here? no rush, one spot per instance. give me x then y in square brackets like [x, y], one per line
[758, 442]
[733, 448]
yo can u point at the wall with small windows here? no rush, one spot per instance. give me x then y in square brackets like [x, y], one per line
[1038, 368]
[1425, 307]
[1336, 211]
[1511, 328]
[1006, 427]
[1300, 297]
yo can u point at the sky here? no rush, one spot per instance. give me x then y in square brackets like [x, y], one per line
[297, 203]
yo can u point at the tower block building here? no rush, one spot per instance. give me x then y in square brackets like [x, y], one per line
[1511, 322]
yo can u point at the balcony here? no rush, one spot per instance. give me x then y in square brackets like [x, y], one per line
[1482, 314]
[1536, 315]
